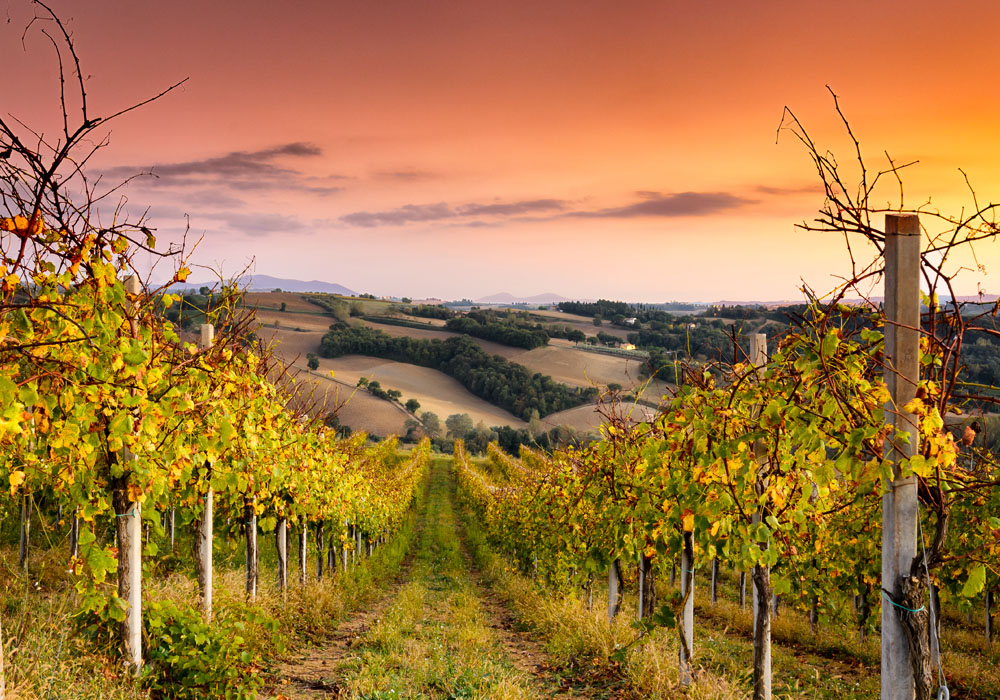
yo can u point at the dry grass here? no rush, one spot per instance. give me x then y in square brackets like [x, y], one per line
[47, 658]
[435, 640]
[584, 641]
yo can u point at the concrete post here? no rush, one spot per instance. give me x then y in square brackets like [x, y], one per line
[614, 594]
[899, 504]
[205, 525]
[281, 535]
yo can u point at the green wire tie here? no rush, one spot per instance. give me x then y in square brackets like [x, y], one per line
[903, 607]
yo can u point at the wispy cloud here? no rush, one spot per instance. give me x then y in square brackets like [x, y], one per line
[650, 204]
[793, 190]
[266, 168]
[405, 175]
[422, 213]
[655, 204]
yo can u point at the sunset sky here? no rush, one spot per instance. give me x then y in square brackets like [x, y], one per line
[457, 149]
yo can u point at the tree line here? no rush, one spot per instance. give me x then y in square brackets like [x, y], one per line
[503, 383]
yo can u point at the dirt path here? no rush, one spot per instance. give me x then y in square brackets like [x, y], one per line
[312, 675]
[437, 632]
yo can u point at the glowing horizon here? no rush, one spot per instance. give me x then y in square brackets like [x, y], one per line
[589, 149]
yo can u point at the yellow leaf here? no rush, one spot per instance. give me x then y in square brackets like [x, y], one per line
[688, 520]
[16, 479]
[715, 527]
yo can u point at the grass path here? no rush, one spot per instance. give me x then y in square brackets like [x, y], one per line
[436, 634]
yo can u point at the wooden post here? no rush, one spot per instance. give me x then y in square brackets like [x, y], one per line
[128, 528]
[715, 579]
[343, 552]
[250, 525]
[899, 504]
[173, 520]
[760, 577]
[357, 549]
[22, 550]
[989, 617]
[205, 529]
[642, 586]
[3, 678]
[303, 552]
[813, 602]
[614, 589]
[647, 587]
[74, 536]
[281, 536]
[686, 653]
[743, 590]
[320, 553]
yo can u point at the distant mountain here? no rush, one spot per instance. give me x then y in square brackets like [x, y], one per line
[266, 283]
[508, 298]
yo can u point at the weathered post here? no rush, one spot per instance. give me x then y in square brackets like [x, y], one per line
[173, 521]
[760, 577]
[715, 579]
[281, 537]
[303, 552]
[3, 678]
[128, 528]
[647, 587]
[22, 550]
[989, 617]
[74, 535]
[357, 548]
[320, 553]
[250, 524]
[614, 589]
[743, 590]
[686, 652]
[899, 504]
[343, 551]
[205, 529]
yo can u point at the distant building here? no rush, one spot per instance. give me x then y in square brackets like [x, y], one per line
[631, 321]
[627, 346]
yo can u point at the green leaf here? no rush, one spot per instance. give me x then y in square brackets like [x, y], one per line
[977, 579]
[830, 344]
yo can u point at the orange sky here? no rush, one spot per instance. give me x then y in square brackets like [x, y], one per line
[450, 149]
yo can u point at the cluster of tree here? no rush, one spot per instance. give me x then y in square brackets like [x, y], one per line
[704, 341]
[430, 311]
[477, 437]
[337, 308]
[375, 389]
[479, 325]
[607, 339]
[601, 307]
[566, 333]
[503, 383]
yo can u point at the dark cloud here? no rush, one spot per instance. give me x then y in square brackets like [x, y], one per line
[403, 215]
[255, 170]
[405, 175]
[512, 208]
[778, 191]
[652, 204]
[418, 213]
[262, 224]
[656, 204]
